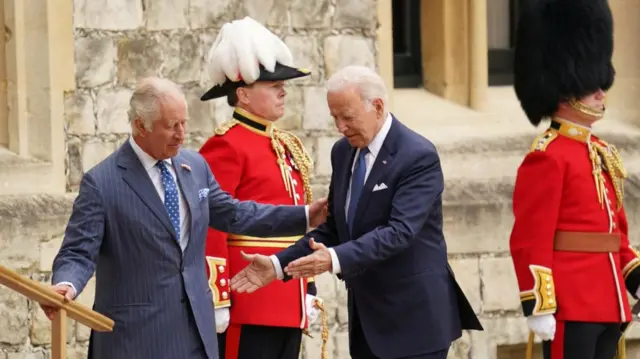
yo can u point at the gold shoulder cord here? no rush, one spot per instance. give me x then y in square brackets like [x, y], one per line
[225, 127]
[304, 163]
[294, 146]
[613, 162]
[301, 159]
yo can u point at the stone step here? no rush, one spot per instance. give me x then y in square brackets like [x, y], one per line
[485, 169]
[20, 175]
[479, 177]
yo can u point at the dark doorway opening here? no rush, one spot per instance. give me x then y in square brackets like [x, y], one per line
[502, 18]
[407, 61]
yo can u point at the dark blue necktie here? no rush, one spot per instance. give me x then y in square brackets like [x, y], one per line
[357, 182]
[171, 201]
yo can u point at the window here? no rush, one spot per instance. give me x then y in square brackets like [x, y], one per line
[407, 63]
[501, 26]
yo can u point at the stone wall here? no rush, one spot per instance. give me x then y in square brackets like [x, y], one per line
[121, 40]
[118, 41]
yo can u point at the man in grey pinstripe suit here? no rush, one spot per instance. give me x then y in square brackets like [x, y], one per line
[143, 234]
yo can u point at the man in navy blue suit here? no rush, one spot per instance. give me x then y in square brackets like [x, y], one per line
[383, 235]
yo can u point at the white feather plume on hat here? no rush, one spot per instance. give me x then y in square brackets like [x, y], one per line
[239, 50]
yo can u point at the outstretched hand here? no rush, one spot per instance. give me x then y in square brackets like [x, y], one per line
[314, 264]
[256, 275]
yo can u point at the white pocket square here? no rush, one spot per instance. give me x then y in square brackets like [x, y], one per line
[203, 193]
[379, 187]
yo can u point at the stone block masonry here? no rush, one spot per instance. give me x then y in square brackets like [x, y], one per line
[119, 41]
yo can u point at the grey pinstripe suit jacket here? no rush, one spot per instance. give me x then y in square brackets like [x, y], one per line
[157, 295]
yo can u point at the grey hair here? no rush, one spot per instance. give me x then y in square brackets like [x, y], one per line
[368, 83]
[146, 100]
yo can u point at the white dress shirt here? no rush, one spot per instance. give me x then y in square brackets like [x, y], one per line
[370, 159]
[149, 164]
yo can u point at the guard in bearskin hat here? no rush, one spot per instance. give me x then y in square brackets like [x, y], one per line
[569, 242]
[252, 159]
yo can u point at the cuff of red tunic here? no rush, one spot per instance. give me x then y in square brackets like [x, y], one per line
[219, 281]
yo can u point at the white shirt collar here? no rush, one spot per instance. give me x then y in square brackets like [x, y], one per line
[378, 141]
[147, 161]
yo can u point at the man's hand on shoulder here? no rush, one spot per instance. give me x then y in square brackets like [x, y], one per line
[66, 291]
[314, 264]
[318, 211]
[256, 275]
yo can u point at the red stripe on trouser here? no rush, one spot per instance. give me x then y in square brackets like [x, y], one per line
[557, 345]
[233, 341]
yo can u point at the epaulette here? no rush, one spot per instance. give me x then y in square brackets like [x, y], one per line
[542, 141]
[225, 127]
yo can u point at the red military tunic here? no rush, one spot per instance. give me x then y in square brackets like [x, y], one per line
[556, 193]
[245, 164]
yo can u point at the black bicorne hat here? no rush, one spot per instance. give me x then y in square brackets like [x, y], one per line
[280, 73]
[563, 51]
[246, 52]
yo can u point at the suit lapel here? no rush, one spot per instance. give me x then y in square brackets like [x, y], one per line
[380, 166]
[383, 162]
[186, 184]
[138, 179]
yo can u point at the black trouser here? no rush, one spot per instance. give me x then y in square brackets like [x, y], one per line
[581, 340]
[260, 342]
[359, 347]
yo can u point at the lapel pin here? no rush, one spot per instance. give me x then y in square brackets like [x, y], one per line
[384, 162]
[186, 167]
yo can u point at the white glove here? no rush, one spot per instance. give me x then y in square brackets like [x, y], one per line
[544, 326]
[312, 311]
[222, 319]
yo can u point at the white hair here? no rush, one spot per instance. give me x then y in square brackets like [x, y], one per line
[146, 100]
[368, 83]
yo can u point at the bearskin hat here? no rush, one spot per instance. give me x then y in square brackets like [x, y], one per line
[563, 50]
[245, 52]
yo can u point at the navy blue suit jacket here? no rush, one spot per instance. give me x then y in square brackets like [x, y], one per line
[395, 263]
[157, 295]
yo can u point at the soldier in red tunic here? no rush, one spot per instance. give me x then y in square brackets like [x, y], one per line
[253, 160]
[569, 242]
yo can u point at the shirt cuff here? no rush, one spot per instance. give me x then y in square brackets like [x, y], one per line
[277, 266]
[638, 292]
[75, 292]
[335, 263]
[306, 212]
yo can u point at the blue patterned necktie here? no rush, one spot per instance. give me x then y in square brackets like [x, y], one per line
[171, 200]
[357, 182]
